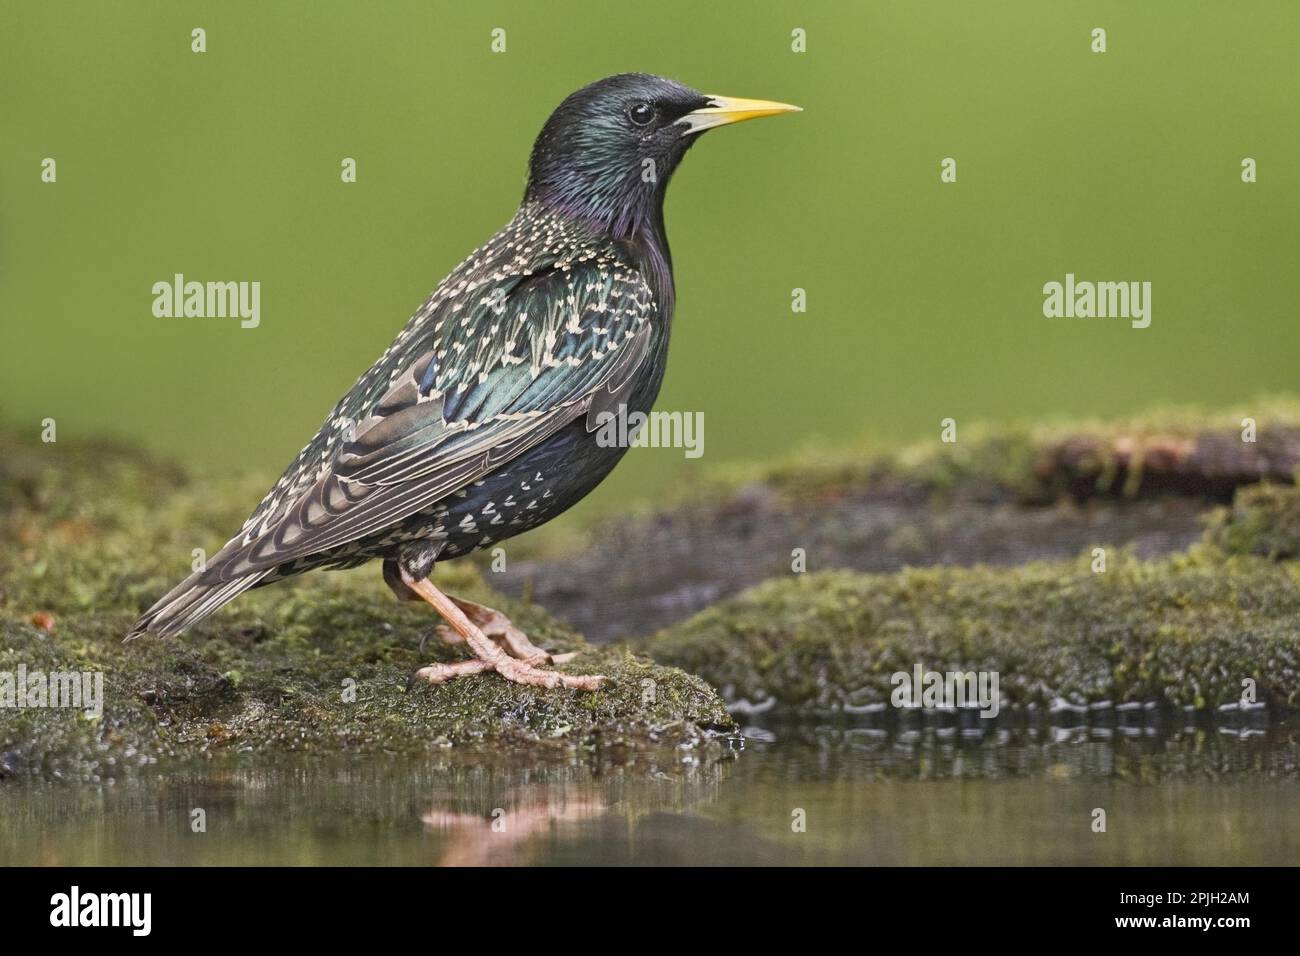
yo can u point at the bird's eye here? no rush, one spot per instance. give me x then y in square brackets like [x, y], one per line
[641, 113]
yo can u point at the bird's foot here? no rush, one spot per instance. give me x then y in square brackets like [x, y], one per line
[512, 670]
[503, 631]
[497, 643]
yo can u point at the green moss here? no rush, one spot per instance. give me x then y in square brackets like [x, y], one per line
[325, 674]
[1263, 520]
[1023, 462]
[1181, 632]
[94, 533]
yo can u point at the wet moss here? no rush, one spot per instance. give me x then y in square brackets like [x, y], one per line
[93, 533]
[1264, 520]
[321, 676]
[1180, 632]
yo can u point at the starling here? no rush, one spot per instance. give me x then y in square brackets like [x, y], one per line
[478, 422]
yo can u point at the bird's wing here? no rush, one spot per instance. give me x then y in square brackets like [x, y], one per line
[494, 379]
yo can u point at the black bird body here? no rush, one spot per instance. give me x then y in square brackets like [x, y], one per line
[479, 420]
[621, 312]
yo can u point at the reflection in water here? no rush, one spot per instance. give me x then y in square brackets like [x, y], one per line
[474, 841]
[912, 792]
[1144, 746]
[496, 813]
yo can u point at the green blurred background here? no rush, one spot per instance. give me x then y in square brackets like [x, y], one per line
[924, 299]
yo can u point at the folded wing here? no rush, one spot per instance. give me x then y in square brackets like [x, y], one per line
[492, 382]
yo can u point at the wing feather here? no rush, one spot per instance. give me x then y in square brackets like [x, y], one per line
[478, 408]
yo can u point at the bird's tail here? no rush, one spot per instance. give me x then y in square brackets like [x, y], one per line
[191, 601]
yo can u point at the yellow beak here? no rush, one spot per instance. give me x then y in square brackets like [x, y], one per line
[729, 109]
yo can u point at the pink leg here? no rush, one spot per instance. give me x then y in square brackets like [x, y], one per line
[489, 655]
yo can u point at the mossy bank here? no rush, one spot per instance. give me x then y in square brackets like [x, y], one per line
[1187, 631]
[1176, 450]
[94, 532]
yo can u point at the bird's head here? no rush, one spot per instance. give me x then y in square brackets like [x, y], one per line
[606, 154]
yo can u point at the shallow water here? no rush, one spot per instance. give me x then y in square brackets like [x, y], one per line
[928, 793]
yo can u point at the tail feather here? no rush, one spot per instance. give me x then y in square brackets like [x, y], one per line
[190, 602]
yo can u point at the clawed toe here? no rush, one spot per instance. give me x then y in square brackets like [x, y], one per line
[443, 633]
[441, 673]
[497, 644]
[516, 671]
[504, 632]
[447, 635]
[521, 672]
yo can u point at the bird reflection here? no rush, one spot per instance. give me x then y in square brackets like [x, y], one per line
[504, 835]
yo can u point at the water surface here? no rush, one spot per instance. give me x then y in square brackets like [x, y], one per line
[932, 792]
